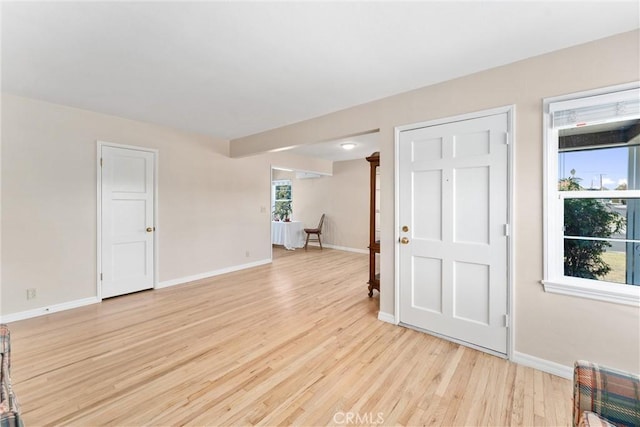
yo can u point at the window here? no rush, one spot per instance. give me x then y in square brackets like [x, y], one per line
[281, 196]
[592, 211]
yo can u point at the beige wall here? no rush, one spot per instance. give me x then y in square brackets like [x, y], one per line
[343, 197]
[209, 204]
[548, 326]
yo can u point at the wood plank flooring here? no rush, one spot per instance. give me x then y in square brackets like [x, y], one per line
[296, 342]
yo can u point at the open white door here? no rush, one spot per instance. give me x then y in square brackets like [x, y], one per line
[453, 214]
[127, 220]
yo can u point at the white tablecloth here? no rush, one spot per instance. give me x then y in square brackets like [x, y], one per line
[290, 234]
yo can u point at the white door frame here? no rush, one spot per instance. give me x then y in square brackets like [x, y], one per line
[510, 110]
[101, 144]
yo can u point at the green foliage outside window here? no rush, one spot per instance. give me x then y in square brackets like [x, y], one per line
[587, 217]
[283, 192]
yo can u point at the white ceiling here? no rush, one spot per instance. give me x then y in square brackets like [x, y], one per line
[231, 69]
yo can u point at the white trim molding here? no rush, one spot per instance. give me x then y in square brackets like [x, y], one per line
[605, 291]
[41, 311]
[193, 278]
[543, 365]
[386, 317]
[340, 248]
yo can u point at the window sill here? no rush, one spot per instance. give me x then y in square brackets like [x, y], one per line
[601, 291]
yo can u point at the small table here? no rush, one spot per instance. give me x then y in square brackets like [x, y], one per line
[289, 234]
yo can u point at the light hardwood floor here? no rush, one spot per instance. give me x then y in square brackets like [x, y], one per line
[296, 342]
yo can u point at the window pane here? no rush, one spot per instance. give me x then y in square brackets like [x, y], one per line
[610, 261]
[599, 157]
[602, 239]
[601, 218]
[283, 192]
[599, 169]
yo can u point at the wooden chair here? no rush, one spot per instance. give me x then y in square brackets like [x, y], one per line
[317, 231]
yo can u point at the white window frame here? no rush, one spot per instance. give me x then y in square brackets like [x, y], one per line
[554, 280]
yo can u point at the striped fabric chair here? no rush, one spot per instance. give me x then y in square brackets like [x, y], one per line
[9, 410]
[604, 396]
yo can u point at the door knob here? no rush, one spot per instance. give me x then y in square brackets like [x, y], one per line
[149, 229]
[404, 240]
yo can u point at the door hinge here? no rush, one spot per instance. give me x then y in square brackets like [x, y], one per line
[506, 230]
[506, 320]
[100, 161]
[101, 277]
[506, 138]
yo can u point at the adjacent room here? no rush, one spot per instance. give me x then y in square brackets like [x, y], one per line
[320, 213]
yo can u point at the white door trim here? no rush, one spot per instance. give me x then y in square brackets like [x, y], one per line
[99, 145]
[510, 110]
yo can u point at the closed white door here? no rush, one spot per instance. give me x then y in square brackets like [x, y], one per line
[453, 204]
[127, 213]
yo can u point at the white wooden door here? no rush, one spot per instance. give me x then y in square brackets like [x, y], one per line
[453, 201]
[127, 213]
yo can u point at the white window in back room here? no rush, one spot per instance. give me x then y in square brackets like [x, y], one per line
[593, 197]
[281, 196]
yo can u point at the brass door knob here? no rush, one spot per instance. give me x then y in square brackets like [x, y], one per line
[149, 229]
[404, 240]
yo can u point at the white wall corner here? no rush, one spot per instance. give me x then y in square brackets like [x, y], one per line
[543, 365]
[386, 317]
[187, 279]
[22, 315]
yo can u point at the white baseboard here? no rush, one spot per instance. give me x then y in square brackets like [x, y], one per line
[183, 280]
[340, 248]
[22, 315]
[386, 317]
[543, 365]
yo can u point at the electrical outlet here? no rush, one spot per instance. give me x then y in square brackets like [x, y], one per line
[31, 293]
[247, 254]
[263, 209]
